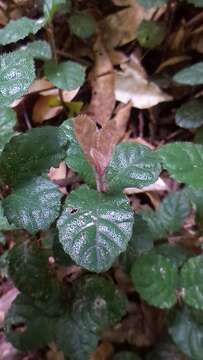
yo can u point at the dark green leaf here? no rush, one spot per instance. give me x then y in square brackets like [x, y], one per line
[18, 29]
[198, 139]
[191, 75]
[59, 254]
[67, 75]
[33, 206]
[17, 73]
[4, 225]
[75, 158]
[95, 228]
[184, 161]
[126, 355]
[187, 335]
[176, 253]
[150, 34]
[26, 327]
[82, 25]
[7, 122]
[154, 277]
[132, 165]
[195, 196]
[142, 236]
[30, 154]
[191, 282]
[38, 49]
[190, 115]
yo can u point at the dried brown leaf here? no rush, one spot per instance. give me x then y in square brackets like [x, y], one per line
[121, 119]
[42, 110]
[102, 81]
[103, 352]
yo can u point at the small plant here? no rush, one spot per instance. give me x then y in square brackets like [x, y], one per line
[90, 225]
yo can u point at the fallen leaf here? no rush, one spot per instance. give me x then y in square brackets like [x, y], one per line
[159, 185]
[39, 85]
[102, 82]
[121, 119]
[5, 303]
[104, 352]
[42, 111]
[132, 84]
[120, 28]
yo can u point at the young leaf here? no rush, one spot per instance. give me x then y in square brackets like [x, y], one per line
[17, 73]
[38, 49]
[150, 34]
[18, 29]
[183, 161]
[67, 75]
[75, 158]
[126, 355]
[190, 115]
[191, 282]
[191, 75]
[132, 165]
[151, 3]
[82, 25]
[7, 122]
[26, 327]
[187, 334]
[154, 277]
[95, 228]
[30, 154]
[33, 206]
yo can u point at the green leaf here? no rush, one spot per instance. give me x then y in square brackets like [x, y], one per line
[17, 73]
[67, 75]
[38, 49]
[75, 158]
[191, 75]
[184, 162]
[154, 223]
[154, 277]
[191, 282]
[173, 211]
[195, 196]
[176, 253]
[82, 25]
[26, 327]
[151, 3]
[142, 236]
[150, 34]
[197, 3]
[132, 165]
[28, 268]
[7, 122]
[95, 228]
[33, 206]
[126, 355]
[186, 334]
[198, 139]
[4, 225]
[30, 154]
[59, 254]
[190, 115]
[98, 303]
[18, 29]
[74, 340]
[52, 6]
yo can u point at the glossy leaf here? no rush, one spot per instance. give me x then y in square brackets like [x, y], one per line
[18, 29]
[132, 165]
[82, 25]
[183, 161]
[7, 122]
[95, 228]
[190, 115]
[150, 34]
[154, 277]
[67, 75]
[30, 154]
[33, 206]
[75, 158]
[191, 75]
[26, 327]
[17, 73]
[187, 334]
[191, 282]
